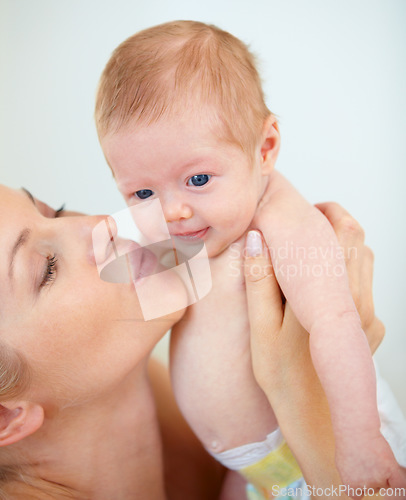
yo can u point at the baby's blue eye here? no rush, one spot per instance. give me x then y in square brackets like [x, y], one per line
[199, 180]
[142, 194]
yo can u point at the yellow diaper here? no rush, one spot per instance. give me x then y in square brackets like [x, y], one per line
[278, 470]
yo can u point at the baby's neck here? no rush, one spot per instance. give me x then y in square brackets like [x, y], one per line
[269, 186]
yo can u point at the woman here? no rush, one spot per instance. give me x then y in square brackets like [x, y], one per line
[74, 389]
[78, 416]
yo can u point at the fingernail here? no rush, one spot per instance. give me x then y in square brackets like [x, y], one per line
[254, 244]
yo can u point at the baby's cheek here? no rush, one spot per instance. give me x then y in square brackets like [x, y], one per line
[238, 220]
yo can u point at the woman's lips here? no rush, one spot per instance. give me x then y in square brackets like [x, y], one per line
[127, 262]
[192, 236]
[142, 262]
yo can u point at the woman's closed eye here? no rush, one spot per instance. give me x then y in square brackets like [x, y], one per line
[199, 180]
[49, 271]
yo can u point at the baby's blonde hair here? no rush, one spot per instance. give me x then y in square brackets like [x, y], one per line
[183, 66]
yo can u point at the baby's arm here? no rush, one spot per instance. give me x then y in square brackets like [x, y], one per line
[311, 273]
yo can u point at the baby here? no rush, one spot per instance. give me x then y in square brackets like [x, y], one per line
[181, 117]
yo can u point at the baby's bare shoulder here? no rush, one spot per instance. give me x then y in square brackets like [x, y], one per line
[281, 195]
[283, 209]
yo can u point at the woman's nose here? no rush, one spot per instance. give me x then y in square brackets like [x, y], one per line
[103, 235]
[91, 236]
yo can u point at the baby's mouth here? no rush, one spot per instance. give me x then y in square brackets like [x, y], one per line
[191, 236]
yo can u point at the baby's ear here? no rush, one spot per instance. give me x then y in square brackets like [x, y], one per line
[19, 419]
[270, 143]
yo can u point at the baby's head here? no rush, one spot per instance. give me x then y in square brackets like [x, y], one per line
[181, 116]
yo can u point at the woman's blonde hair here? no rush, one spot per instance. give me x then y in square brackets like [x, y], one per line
[178, 66]
[14, 381]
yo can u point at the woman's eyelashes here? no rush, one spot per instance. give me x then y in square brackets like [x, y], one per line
[49, 271]
[199, 180]
[60, 211]
[143, 194]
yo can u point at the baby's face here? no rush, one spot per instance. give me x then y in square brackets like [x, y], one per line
[208, 189]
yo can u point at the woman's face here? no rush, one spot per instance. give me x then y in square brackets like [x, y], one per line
[80, 334]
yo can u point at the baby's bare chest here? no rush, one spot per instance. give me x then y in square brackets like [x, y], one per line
[225, 306]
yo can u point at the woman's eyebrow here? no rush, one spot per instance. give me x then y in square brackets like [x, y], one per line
[20, 242]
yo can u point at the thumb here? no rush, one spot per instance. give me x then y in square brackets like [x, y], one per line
[265, 307]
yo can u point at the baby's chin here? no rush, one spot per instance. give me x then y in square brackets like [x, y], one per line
[217, 248]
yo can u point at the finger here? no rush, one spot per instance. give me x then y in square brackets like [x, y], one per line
[356, 268]
[364, 299]
[350, 237]
[265, 306]
[332, 210]
[347, 229]
[375, 333]
[354, 263]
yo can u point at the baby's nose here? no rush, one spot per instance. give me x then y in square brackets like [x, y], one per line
[175, 210]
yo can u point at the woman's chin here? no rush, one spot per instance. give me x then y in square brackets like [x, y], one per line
[174, 317]
[162, 296]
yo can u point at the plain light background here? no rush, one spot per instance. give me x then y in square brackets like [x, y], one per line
[334, 72]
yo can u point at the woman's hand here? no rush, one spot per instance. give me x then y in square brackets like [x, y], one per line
[270, 317]
[280, 347]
